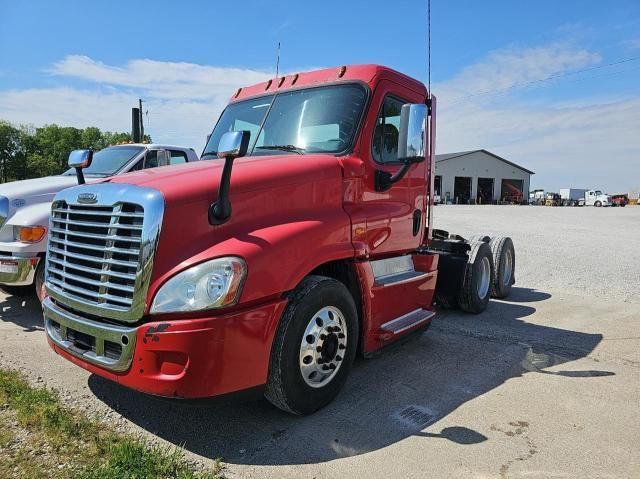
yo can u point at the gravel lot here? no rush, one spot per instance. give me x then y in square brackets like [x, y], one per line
[546, 384]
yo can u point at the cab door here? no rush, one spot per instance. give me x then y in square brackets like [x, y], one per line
[395, 217]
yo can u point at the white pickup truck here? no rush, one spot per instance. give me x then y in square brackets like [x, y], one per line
[25, 207]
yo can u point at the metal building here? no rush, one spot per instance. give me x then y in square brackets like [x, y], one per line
[480, 176]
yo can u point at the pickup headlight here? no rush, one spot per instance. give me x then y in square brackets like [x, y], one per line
[212, 284]
[28, 234]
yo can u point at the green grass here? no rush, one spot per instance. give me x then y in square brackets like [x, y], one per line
[39, 437]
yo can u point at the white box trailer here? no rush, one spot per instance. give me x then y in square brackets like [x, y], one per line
[572, 196]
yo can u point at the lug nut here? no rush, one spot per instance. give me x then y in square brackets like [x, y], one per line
[323, 336]
[338, 358]
[341, 336]
[320, 361]
[329, 329]
[319, 349]
[342, 346]
[332, 366]
[325, 368]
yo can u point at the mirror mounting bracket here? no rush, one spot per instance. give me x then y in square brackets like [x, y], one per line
[80, 175]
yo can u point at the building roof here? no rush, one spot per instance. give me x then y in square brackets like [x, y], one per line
[448, 156]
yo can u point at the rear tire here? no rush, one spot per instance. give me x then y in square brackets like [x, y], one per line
[504, 266]
[476, 287]
[310, 359]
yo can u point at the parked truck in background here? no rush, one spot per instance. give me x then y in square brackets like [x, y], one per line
[25, 207]
[536, 197]
[310, 240]
[621, 199]
[596, 198]
[572, 196]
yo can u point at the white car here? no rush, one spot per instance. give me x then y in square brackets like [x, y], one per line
[25, 207]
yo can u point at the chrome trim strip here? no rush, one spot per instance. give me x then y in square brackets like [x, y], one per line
[101, 332]
[110, 195]
[390, 266]
[389, 326]
[402, 278]
[25, 274]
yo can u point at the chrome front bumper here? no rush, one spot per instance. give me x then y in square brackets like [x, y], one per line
[106, 345]
[18, 271]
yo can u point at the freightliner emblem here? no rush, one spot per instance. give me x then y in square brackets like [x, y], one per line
[87, 198]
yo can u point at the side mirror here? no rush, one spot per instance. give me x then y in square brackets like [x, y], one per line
[411, 144]
[233, 144]
[412, 134]
[80, 159]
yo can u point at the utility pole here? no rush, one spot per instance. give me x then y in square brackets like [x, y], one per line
[141, 121]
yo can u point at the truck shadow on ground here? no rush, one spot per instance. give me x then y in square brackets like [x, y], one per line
[24, 311]
[399, 394]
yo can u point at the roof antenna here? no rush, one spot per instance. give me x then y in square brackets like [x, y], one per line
[429, 47]
[278, 61]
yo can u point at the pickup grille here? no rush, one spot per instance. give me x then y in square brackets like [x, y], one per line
[94, 253]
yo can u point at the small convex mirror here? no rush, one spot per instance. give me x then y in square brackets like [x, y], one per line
[80, 158]
[412, 134]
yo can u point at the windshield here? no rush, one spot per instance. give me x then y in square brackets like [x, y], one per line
[108, 161]
[313, 120]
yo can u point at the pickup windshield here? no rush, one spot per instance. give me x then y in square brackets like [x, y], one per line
[109, 161]
[312, 120]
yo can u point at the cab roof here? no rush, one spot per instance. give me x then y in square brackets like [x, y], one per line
[346, 73]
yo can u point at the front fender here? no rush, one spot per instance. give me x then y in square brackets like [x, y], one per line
[278, 256]
[32, 215]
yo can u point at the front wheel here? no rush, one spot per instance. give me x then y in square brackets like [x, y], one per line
[314, 346]
[597, 204]
[39, 281]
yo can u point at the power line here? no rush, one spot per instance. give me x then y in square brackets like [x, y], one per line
[540, 80]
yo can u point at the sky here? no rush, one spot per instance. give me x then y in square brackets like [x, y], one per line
[551, 85]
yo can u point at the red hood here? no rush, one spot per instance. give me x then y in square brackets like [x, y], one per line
[200, 180]
[268, 195]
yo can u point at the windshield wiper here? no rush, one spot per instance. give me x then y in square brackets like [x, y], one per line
[293, 148]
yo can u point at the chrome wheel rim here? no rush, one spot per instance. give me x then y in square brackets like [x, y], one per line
[323, 347]
[485, 277]
[507, 267]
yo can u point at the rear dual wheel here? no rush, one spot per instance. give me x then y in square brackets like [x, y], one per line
[504, 266]
[314, 347]
[476, 287]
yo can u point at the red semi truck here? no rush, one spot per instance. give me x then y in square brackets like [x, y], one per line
[309, 241]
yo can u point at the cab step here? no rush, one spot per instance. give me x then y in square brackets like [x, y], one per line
[407, 321]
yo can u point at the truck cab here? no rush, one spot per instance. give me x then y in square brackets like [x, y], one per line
[25, 207]
[306, 240]
[596, 198]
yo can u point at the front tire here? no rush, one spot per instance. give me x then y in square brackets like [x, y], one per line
[314, 346]
[597, 204]
[39, 281]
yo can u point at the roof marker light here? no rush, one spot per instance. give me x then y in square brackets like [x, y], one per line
[342, 71]
[295, 79]
[268, 84]
[281, 82]
[237, 93]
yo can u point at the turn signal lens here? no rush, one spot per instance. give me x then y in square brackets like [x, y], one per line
[29, 234]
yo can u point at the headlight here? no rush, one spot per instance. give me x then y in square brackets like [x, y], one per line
[212, 284]
[28, 234]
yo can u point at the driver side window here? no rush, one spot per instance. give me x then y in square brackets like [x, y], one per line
[385, 136]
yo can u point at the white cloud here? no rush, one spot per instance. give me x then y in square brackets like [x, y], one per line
[591, 142]
[568, 142]
[184, 100]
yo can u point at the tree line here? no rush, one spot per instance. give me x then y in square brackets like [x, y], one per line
[29, 152]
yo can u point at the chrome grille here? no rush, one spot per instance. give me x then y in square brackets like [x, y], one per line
[94, 252]
[100, 255]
